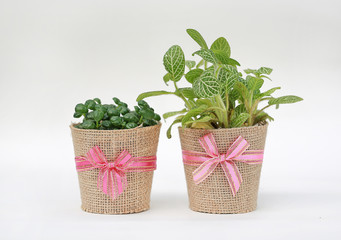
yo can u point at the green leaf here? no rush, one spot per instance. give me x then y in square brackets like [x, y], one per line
[227, 79]
[201, 120]
[207, 55]
[174, 113]
[204, 101]
[197, 37]
[190, 64]
[239, 120]
[284, 100]
[98, 115]
[264, 70]
[267, 93]
[151, 94]
[249, 71]
[193, 113]
[187, 92]
[222, 45]
[254, 83]
[262, 117]
[177, 120]
[81, 108]
[174, 62]
[242, 90]
[206, 85]
[192, 75]
[166, 78]
[232, 62]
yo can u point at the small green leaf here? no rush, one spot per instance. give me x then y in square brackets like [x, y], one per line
[190, 64]
[77, 115]
[90, 104]
[197, 37]
[98, 115]
[267, 93]
[254, 83]
[89, 124]
[204, 101]
[97, 100]
[174, 62]
[81, 108]
[221, 44]
[166, 78]
[201, 120]
[194, 74]
[284, 100]
[187, 92]
[249, 71]
[151, 94]
[207, 55]
[264, 70]
[239, 120]
[232, 62]
[206, 85]
[193, 113]
[242, 90]
[171, 114]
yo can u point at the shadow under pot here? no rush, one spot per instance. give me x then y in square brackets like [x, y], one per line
[223, 167]
[115, 168]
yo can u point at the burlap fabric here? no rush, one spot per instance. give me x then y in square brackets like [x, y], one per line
[213, 195]
[139, 142]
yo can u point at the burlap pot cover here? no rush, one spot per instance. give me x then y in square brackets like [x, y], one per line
[213, 195]
[139, 142]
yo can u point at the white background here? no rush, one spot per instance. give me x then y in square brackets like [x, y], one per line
[55, 54]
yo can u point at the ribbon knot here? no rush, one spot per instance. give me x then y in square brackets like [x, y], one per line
[211, 158]
[112, 179]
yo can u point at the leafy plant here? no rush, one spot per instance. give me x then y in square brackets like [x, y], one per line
[114, 116]
[219, 96]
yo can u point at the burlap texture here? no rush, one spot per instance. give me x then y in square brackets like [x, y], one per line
[139, 142]
[213, 195]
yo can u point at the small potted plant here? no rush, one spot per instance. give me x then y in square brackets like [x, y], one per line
[115, 152]
[224, 125]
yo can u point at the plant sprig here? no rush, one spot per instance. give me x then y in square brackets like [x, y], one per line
[114, 116]
[219, 96]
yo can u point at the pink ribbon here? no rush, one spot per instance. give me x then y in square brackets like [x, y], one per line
[209, 160]
[112, 179]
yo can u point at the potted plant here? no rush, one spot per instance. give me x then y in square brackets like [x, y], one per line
[224, 125]
[115, 152]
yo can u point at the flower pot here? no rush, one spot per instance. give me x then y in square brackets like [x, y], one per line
[214, 195]
[139, 142]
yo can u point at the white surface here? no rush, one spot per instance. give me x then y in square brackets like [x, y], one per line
[54, 54]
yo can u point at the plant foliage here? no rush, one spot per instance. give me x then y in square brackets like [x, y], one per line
[114, 116]
[219, 96]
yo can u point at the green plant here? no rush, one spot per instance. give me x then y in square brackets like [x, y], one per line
[114, 116]
[219, 96]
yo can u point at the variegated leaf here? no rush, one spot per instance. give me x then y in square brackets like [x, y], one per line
[174, 62]
[206, 85]
[194, 74]
[207, 55]
[239, 120]
[284, 100]
[190, 64]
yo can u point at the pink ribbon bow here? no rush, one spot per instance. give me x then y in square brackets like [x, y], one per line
[112, 179]
[209, 160]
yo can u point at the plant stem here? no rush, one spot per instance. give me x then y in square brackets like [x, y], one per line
[227, 108]
[188, 105]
